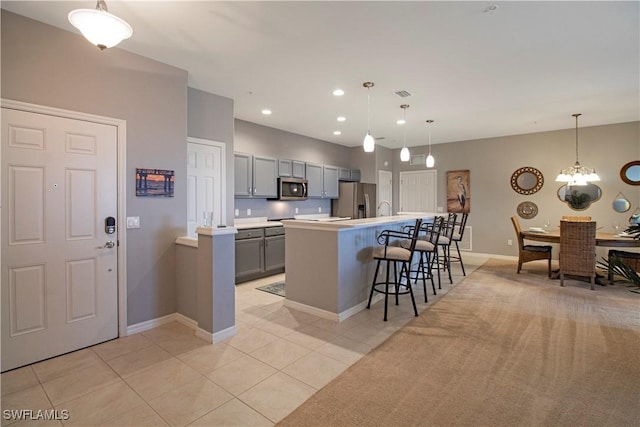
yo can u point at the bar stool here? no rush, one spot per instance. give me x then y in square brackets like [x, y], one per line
[392, 254]
[427, 248]
[444, 242]
[458, 233]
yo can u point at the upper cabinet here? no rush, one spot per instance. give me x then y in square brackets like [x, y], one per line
[255, 176]
[349, 174]
[243, 175]
[291, 169]
[322, 181]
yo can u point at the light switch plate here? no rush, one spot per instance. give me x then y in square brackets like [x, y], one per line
[133, 222]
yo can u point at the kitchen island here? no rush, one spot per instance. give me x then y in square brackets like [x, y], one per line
[329, 265]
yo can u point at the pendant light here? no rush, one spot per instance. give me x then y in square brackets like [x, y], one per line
[405, 155]
[577, 174]
[101, 28]
[430, 160]
[368, 144]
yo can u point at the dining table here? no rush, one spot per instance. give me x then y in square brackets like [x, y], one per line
[602, 239]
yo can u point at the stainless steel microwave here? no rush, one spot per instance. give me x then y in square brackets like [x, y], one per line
[292, 189]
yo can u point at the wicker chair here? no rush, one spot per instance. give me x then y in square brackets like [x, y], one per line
[528, 253]
[578, 250]
[575, 218]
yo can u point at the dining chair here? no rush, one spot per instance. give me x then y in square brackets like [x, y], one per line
[391, 253]
[576, 218]
[528, 253]
[458, 234]
[578, 250]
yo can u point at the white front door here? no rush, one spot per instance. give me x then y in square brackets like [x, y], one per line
[418, 191]
[205, 192]
[59, 264]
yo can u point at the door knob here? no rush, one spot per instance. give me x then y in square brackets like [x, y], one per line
[110, 244]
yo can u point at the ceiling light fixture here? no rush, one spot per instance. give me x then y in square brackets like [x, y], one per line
[341, 118]
[577, 174]
[430, 160]
[404, 153]
[337, 132]
[101, 28]
[266, 112]
[338, 92]
[368, 144]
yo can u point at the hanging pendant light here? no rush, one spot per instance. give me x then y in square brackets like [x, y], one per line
[577, 174]
[430, 160]
[368, 144]
[405, 155]
[101, 28]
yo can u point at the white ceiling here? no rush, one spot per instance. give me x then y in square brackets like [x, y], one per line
[525, 67]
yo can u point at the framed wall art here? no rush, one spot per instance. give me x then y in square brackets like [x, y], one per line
[458, 191]
[154, 182]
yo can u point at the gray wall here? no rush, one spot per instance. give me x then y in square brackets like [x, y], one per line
[211, 117]
[44, 65]
[492, 161]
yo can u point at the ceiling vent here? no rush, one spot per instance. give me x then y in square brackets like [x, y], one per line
[402, 93]
[380, 138]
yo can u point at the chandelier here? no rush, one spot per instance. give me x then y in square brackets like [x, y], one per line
[369, 143]
[577, 174]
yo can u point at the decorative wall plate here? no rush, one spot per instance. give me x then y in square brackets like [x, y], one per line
[527, 210]
[527, 180]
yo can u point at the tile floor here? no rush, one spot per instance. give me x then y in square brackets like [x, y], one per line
[167, 376]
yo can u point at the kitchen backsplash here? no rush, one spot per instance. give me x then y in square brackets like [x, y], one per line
[276, 209]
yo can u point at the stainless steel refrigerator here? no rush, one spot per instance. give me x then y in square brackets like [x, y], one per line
[355, 200]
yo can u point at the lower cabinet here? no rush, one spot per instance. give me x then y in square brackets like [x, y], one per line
[259, 253]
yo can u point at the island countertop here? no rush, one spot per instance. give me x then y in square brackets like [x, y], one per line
[329, 265]
[353, 223]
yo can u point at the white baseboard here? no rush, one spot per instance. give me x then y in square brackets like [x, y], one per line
[150, 324]
[312, 310]
[188, 322]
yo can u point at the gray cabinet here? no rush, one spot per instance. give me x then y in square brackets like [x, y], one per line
[349, 174]
[274, 249]
[330, 182]
[285, 168]
[249, 254]
[242, 175]
[322, 181]
[259, 253]
[265, 177]
[255, 176]
[298, 169]
[355, 175]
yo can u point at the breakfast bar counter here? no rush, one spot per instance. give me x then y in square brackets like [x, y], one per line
[329, 265]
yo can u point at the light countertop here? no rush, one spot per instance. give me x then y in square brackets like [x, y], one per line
[354, 223]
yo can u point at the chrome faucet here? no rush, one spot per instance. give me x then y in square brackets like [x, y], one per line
[383, 203]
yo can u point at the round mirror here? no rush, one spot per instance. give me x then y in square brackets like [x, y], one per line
[621, 203]
[630, 173]
[579, 197]
[527, 180]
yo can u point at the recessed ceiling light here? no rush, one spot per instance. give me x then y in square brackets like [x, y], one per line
[338, 92]
[337, 132]
[341, 118]
[266, 112]
[400, 122]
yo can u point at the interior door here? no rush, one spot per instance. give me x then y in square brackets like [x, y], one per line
[59, 262]
[385, 192]
[418, 191]
[204, 185]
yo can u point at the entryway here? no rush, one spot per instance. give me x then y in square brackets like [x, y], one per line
[60, 234]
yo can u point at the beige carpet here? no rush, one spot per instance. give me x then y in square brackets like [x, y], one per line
[499, 349]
